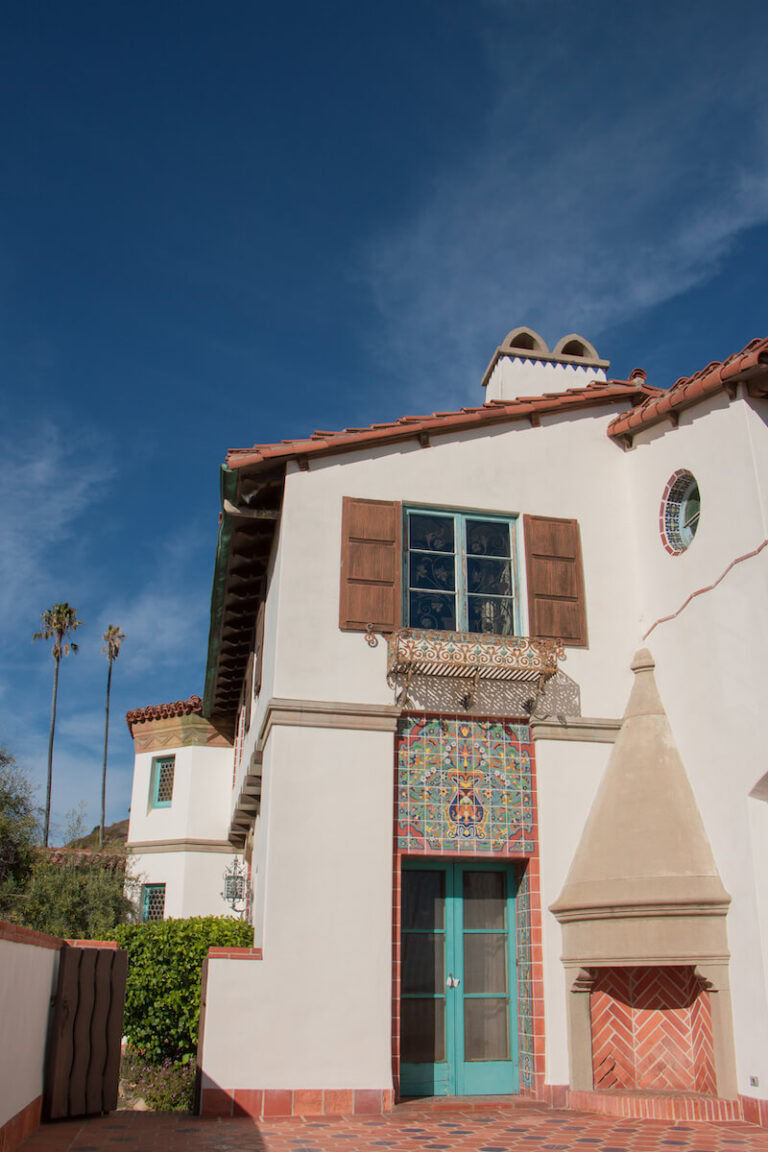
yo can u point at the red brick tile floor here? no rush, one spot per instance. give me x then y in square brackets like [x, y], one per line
[522, 1127]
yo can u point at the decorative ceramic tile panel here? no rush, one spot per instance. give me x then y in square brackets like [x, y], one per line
[464, 787]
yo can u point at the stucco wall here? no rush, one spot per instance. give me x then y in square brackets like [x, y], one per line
[200, 807]
[193, 881]
[315, 1012]
[27, 981]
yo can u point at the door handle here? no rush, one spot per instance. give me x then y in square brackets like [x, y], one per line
[452, 981]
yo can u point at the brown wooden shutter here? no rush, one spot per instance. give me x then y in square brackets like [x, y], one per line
[370, 564]
[556, 605]
[258, 649]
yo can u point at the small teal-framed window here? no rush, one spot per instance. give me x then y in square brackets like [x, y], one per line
[460, 572]
[161, 783]
[680, 511]
[152, 902]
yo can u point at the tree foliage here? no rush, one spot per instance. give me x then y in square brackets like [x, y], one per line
[76, 899]
[162, 1000]
[19, 833]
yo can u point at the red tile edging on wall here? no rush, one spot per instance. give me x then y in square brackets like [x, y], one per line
[235, 953]
[19, 935]
[657, 1107]
[755, 1111]
[264, 1103]
[19, 1126]
[92, 944]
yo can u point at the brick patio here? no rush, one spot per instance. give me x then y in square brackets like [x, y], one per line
[409, 1128]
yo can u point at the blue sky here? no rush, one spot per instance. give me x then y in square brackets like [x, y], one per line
[230, 222]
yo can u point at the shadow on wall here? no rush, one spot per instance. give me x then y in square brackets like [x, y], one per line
[561, 696]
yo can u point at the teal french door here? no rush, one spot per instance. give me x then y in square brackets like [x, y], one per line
[458, 998]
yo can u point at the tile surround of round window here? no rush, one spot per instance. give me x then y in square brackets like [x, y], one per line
[679, 512]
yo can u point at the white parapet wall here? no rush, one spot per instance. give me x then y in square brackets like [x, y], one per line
[29, 965]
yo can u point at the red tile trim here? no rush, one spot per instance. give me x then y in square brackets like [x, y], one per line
[19, 1126]
[755, 1110]
[18, 935]
[235, 953]
[267, 1103]
[661, 1107]
[709, 587]
[92, 944]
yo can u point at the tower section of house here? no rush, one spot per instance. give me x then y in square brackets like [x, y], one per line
[178, 842]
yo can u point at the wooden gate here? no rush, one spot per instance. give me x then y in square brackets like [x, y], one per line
[83, 1063]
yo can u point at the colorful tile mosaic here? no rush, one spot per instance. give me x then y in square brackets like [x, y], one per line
[465, 786]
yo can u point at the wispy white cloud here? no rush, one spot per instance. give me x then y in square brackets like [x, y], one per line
[569, 218]
[48, 481]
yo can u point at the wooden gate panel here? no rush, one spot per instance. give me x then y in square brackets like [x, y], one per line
[83, 1065]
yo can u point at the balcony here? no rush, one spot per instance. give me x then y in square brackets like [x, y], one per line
[471, 655]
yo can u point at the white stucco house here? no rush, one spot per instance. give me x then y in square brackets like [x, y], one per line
[483, 712]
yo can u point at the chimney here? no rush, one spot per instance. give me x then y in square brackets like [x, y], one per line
[524, 366]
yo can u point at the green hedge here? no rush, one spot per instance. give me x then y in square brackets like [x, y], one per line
[162, 1000]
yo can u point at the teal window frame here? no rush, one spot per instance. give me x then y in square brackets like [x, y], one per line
[461, 591]
[154, 785]
[147, 891]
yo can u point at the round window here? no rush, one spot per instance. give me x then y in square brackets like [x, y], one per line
[680, 509]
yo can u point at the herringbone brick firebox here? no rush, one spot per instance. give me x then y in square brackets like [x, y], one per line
[651, 1030]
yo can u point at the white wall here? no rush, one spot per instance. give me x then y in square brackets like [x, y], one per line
[200, 807]
[193, 881]
[567, 774]
[27, 981]
[709, 662]
[316, 1011]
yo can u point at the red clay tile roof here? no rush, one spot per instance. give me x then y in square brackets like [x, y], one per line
[407, 427]
[690, 389]
[163, 711]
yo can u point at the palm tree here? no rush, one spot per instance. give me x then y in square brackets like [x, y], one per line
[113, 638]
[58, 622]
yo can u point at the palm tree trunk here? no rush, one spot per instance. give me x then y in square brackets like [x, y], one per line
[104, 769]
[50, 751]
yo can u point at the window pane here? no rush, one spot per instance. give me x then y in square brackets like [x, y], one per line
[487, 538]
[485, 900]
[431, 533]
[432, 570]
[491, 614]
[423, 965]
[154, 901]
[485, 962]
[432, 610]
[423, 1031]
[423, 899]
[486, 1030]
[491, 577]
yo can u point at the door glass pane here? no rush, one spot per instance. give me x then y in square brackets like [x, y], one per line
[423, 899]
[485, 962]
[423, 967]
[485, 900]
[430, 533]
[423, 1031]
[487, 538]
[486, 1030]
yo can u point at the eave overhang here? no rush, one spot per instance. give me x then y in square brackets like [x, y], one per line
[250, 512]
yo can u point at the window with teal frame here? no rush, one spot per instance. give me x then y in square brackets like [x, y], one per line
[152, 902]
[460, 572]
[161, 784]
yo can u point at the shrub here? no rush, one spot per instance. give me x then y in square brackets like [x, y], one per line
[162, 999]
[164, 1088]
[73, 895]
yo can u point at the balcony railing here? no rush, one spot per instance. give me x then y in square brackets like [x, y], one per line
[481, 656]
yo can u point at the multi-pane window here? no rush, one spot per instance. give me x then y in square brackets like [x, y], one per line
[161, 788]
[460, 572]
[153, 902]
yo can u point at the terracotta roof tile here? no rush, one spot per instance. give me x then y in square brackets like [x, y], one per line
[406, 427]
[690, 389]
[189, 707]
